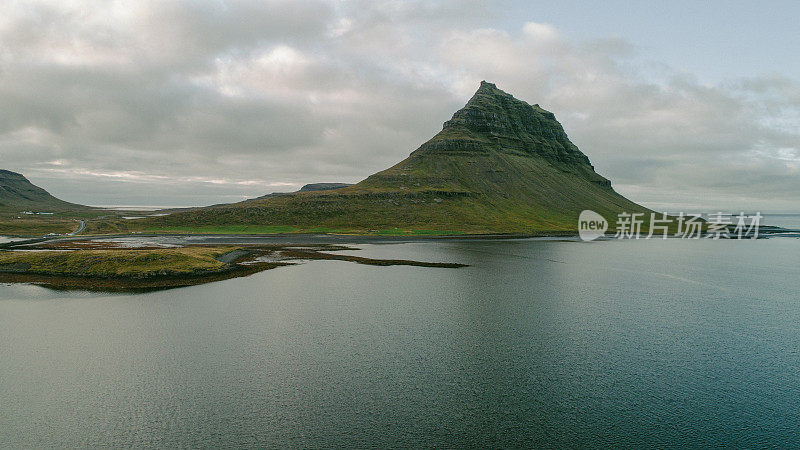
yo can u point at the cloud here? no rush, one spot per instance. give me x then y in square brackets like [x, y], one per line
[666, 141]
[540, 32]
[198, 102]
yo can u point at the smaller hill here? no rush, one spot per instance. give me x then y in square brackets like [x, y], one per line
[323, 186]
[19, 194]
[311, 187]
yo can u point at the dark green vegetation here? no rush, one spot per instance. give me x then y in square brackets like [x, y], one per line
[113, 227]
[323, 186]
[101, 266]
[499, 165]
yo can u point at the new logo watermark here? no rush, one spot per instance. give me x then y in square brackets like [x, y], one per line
[592, 225]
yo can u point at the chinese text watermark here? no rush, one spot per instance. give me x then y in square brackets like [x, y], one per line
[592, 225]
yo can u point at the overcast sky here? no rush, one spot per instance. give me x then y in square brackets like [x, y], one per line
[690, 106]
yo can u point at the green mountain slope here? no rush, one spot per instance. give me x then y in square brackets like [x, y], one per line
[499, 165]
[17, 194]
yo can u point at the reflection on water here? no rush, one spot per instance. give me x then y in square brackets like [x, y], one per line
[536, 343]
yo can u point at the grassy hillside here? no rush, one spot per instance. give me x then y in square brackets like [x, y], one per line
[18, 194]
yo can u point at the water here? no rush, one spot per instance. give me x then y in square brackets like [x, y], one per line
[538, 343]
[788, 221]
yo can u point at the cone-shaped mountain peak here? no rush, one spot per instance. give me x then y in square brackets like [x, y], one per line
[473, 151]
[493, 120]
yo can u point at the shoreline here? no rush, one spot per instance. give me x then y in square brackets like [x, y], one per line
[330, 238]
[291, 238]
[237, 262]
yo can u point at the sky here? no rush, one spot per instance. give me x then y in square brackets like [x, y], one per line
[687, 106]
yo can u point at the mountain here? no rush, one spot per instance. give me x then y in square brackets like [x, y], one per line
[323, 186]
[306, 188]
[500, 165]
[17, 193]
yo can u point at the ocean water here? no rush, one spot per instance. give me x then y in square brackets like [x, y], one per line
[788, 221]
[537, 343]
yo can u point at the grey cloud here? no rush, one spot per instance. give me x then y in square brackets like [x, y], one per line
[191, 102]
[728, 146]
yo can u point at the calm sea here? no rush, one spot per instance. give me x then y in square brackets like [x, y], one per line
[537, 343]
[789, 221]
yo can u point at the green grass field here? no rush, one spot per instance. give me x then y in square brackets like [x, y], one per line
[36, 225]
[282, 229]
[222, 229]
[109, 263]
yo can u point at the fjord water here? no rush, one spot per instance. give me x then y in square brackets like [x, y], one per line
[788, 221]
[537, 343]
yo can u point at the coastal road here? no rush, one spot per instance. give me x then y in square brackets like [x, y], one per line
[80, 228]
